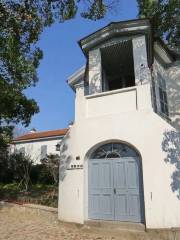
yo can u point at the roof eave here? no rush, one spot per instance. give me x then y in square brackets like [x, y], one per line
[114, 29]
[37, 139]
[173, 55]
[75, 78]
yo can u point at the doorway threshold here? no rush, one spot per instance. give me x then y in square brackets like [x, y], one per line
[114, 225]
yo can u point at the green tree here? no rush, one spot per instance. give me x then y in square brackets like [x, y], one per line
[165, 15]
[21, 24]
[5, 137]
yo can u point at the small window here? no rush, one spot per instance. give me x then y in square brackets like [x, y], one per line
[22, 150]
[154, 95]
[163, 96]
[43, 151]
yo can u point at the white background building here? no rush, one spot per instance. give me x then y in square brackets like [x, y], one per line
[38, 144]
[127, 110]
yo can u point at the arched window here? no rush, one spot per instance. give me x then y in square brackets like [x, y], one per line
[114, 150]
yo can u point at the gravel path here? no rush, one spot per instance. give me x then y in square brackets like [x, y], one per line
[16, 223]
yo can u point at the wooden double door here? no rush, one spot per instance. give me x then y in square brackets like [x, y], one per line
[115, 189]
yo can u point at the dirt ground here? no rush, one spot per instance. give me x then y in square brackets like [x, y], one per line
[16, 223]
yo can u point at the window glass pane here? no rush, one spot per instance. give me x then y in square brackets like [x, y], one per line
[162, 107]
[113, 155]
[99, 153]
[166, 109]
[163, 96]
[43, 151]
[114, 150]
[22, 150]
[154, 96]
[162, 82]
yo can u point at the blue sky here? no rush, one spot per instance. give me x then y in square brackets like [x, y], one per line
[63, 56]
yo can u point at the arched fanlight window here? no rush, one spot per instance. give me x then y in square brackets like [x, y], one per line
[114, 150]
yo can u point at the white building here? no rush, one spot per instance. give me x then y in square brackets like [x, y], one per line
[121, 154]
[38, 144]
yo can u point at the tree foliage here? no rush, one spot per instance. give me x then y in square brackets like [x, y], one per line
[21, 24]
[5, 137]
[21, 165]
[52, 162]
[19, 168]
[165, 15]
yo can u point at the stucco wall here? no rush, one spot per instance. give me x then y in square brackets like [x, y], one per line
[112, 102]
[174, 93]
[33, 148]
[141, 128]
[172, 79]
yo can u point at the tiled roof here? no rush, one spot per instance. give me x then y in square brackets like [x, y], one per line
[46, 134]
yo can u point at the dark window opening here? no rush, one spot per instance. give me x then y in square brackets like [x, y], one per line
[117, 66]
[163, 101]
[163, 96]
[154, 95]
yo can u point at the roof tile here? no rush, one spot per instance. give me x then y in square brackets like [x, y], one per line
[36, 135]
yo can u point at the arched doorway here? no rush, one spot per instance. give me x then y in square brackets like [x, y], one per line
[115, 188]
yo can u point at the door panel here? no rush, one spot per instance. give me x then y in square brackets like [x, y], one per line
[120, 206]
[119, 174]
[101, 202]
[134, 207]
[120, 194]
[129, 188]
[132, 174]
[133, 190]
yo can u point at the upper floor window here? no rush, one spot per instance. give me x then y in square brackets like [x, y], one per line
[162, 96]
[43, 151]
[160, 100]
[22, 150]
[117, 66]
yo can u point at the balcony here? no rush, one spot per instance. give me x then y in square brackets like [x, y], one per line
[112, 102]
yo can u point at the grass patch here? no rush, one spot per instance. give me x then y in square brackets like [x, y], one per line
[37, 194]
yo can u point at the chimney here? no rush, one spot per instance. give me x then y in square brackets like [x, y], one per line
[33, 130]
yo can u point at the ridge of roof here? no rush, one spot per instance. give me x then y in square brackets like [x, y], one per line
[43, 134]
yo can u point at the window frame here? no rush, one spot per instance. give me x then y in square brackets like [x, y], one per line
[21, 150]
[161, 97]
[42, 155]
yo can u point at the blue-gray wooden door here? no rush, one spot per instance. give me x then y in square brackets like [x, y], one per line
[101, 196]
[115, 189]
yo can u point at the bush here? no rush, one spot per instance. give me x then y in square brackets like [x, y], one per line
[11, 187]
[37, 194]
[18, 168]
[40, 175]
